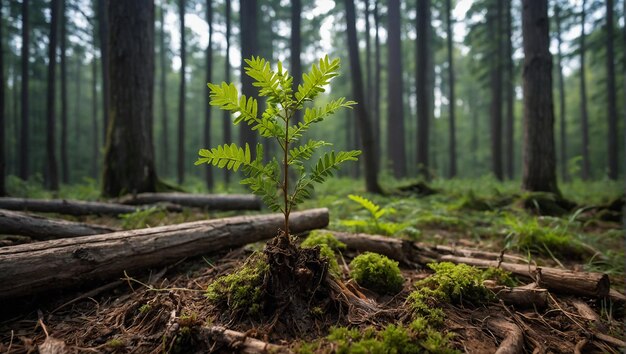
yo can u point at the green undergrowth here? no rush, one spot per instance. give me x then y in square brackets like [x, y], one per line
[453, 283]
[377, 272]
[241, 291]
[416, 337]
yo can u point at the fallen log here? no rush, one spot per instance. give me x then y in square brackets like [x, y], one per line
[70, 207]
[42, 266]
[558, 280]
[40, 228]
[205, 201]
[520, 296]
[240, 342]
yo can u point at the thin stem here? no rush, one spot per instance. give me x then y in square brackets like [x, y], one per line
[286, 175]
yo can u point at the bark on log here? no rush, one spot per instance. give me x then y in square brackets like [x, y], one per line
[46, 265]
[558, 280]
[69, 207]
[40, 228]
[240, 342]
[513, 342]
[205, 201]
[519, 296]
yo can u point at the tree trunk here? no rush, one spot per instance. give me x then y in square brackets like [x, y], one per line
[165, 145]
[509, 127]
[129, 158]
[209, 77]
[95, 147]
[43, 266]
[65, 169]
[610, 87]
[495, 25]
[562, 109]
[451, 97]
[371, 170]
[40, 228]
[226, 118]
[180, 161]
[103, 35]
[25, 128]
[51, 177]
[295, 48]
[422, 85]
[395, 109]
[368, 59]
[249, 47]
[539, 168]
[377, 86]
[3, 190]
[206, 201]
[586, 168]
[78, 116]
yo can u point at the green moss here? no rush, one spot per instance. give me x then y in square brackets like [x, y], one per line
[241, 290]
[318, 237]
[145, 308]
[376, 272]
[500, 276]
[115, 343]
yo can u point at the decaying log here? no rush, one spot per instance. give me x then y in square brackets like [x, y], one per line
[519, 296]
[513, 342]
[32, 268]
[205, 201]
[240, 342]
[557, 280]
[465, 252]
[69, 207]
[40, 228]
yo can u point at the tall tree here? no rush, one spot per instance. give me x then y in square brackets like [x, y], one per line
[395, 108]
[3, 190]
[539, 168]
[610, 88]
[368, 56]
[509, 92]
[377, 85]
[163, 91]
[495, 26]
[103, 36]
[249, 47]
[562, 110]
[451, 97]
[181, 95]
[584, 121]
[364, 125]
[209, 77]
[64, 161]
[226, 118]
[25, 126]
[129, 156]
[295, 47]
[95, 147]
[422, 83]
[51, 175]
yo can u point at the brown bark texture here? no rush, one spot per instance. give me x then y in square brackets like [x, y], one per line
[396, 154]
[24, 157]
[423, 87]
[41, 228]
[249, 47]
[610, 91]
[180, 156]
[539, 156]
[57, 264]
[129, 158]
[51, 177]
[67, 207]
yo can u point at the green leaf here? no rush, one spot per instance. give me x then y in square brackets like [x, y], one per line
[313, 83]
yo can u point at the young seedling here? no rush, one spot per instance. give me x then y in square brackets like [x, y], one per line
[277, 124]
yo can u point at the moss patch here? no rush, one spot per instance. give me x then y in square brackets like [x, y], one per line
[241, 291]
[377, 272]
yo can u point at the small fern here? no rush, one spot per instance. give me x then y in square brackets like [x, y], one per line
[270, 180]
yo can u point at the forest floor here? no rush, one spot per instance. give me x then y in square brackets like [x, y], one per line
[166, 309]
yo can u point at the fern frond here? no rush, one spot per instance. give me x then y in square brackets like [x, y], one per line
[313, 83]
[227, 98]
[226, 156]
[267, 80]
[316, 115]
[305, 152]
[366, 203]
